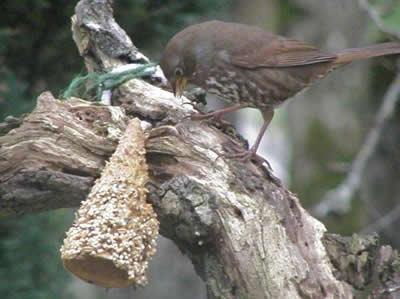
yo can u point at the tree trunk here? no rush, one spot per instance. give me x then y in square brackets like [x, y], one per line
[246, 234]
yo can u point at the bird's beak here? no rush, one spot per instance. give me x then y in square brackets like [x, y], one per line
[179, 86]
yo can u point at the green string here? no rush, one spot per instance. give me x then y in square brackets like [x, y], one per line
[83, 86]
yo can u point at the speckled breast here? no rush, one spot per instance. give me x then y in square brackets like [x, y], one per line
[257, 88]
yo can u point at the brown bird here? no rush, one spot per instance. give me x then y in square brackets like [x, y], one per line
[249, 67]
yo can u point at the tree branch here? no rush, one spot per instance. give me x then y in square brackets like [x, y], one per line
[338, 200]
[51, 160]
[376, 16]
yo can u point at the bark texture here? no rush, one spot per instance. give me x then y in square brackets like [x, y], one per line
[53, 157]
[246, 234]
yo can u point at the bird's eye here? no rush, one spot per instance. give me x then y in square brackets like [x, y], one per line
[178, 72]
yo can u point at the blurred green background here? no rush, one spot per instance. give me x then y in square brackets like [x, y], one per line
[311, 142]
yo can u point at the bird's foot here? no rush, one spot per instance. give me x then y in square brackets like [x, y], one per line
[216, 115]
[247, 155]
[213, 115]
[251, 155]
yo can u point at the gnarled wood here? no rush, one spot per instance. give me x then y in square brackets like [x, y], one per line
[51, 160]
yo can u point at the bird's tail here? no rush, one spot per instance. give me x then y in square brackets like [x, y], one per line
[349, 55]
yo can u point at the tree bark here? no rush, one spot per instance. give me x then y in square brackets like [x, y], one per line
[246, 234]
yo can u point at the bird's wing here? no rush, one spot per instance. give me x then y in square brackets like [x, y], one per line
[280, 52]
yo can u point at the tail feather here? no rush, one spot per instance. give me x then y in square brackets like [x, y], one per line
[350, 55]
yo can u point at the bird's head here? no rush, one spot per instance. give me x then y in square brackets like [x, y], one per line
[185, 56]
[174, 67]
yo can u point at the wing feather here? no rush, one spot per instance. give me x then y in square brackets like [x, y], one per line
[281, 53]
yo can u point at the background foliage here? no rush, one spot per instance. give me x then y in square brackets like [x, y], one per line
[29, 257]
[37, 53]
[35, 44]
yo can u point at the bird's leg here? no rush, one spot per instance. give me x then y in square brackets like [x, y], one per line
[216, 115]
[267, 115]
[252, 152]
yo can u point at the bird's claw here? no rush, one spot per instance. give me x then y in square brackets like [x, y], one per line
[213, 115]
[245, 156]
